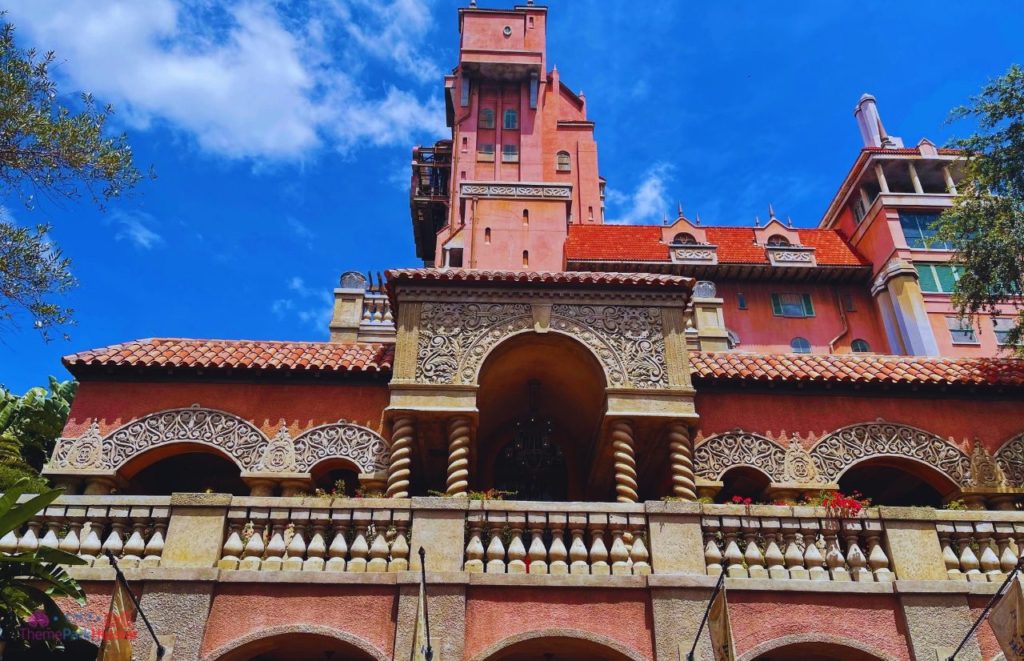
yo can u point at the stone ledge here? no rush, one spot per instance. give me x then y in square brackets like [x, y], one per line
[945, 587]
[193, 574]
[559, 581]
[201, 499]
[283, 576]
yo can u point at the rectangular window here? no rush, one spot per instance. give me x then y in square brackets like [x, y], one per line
[961, 331]
[859, 211]
[511, 120]
[919, 232]
[792, 305]
[848, 303]
[741, 301]
[486, 119]
[510, 153]
[485, 152]
[938, 278]
[1001, 327]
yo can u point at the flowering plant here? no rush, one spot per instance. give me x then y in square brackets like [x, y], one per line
[740, 500]
[842, 506]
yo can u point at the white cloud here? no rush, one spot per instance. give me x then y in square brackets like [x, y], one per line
[648, 202]
[136, 228]
[311, 306]
[245, 81]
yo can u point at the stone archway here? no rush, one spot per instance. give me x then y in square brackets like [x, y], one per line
[570, 645]
[285, 640]
[722, 452]
[813, 647]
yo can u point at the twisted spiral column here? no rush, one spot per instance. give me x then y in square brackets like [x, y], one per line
[625, 462]
[681, 462]
[458, 456]
[399, 467]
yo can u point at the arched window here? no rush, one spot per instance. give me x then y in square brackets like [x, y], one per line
[778, 241]
[511, 119]
[526, 258]
[526, 217]
[860, 346]
[563, 163]
[486, 118]
[800, 345]
[685, 239]
[487, 235]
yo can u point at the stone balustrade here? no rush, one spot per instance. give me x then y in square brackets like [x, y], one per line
[980, 551]
[311, 534]
[557, 539]
[801, 543]
[132, 528]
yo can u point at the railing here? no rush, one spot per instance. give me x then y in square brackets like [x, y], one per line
[816, 547]
[132, 528]
[376, 310]
[538, 538]
[270, 534]
[980, 551]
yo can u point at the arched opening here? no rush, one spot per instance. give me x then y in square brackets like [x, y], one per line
[337, 476]
[896, 481]
[183, 468]
[557, 648]
[778, 241]
[816, 651]
[684, 239]
[541, 402]
[297, 647]
[742, 481]
[563, 162]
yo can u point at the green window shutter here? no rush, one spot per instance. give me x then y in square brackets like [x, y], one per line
[776, 305]
[927, 276]
[946, 279]
[808, 306]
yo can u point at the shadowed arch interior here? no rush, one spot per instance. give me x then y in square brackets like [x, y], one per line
[816, 651]
[569, 392]
[897, 481]
[183, 467]
[297, 647]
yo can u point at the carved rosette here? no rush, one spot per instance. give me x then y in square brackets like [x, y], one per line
[454, 339]
[82, 453]
[798, 466]
[985, 472]
[279, 455]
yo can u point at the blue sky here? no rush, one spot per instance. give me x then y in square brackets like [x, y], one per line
[281, 134]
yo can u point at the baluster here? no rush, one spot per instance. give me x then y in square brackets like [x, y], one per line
[231, 554]
[115, 540]
[751, 552]
[516, 549]
[379, 550]
[54, 515]
[732, 555]
[475, 548]
[252, 554]
[712, 554]
[155, 546]
[91, 544]
[988, 561]
[70, 543]
[276, 547]
[794, 556]
[337, 552]
[400, 544]
[30, 539]
[618, 525]
[538, 554]
[578, 550]
[296, 549]
[833, 554]
[773, 557]
[558, 553]
[638, 554]
[969, 564]
[855, 558]
[813, 560]
[1007, 558]
[360, 548]
[598, 551]
[496, 547]
[317, 548]
[9, 543]
[949, 557]
[877, 559]
[135, 547]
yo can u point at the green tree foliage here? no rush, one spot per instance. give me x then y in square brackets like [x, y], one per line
[32, 580]
[48, 150]
[29, 428]
[986, 222]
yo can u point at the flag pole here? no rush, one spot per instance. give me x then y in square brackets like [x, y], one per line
[704, 620]
[135, 600]
[429, 652]
[988, 607]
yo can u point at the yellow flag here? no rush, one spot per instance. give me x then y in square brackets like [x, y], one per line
[1007, 620]
[419, 638]
[119, 628]
[718, 627]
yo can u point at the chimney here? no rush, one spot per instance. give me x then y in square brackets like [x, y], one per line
[868, 121]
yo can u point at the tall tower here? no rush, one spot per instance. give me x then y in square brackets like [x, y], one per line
[521, 164]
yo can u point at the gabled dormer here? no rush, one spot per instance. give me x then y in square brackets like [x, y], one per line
[688, 242]
[782, 243]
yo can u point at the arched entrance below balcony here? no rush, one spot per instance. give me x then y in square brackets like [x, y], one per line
[313, 643]
[897, 481]
[812, 650]
[541, 401]
[182, 467]
[557, 645]
[743, 481]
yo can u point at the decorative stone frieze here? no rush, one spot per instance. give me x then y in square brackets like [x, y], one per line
[985, 472]
[790, 256]
[341, 440]
[517, 191]
[797, 466]
[455, 338]
[1010, 461]
[718, 453]
[694, 254]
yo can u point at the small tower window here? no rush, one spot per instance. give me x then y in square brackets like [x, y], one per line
[526, 258]
[486, 118]
[510, 153]
[800, 345]
[487, 235]
[563, 163]
[684, 239]
[860, 346]
[511, 119]
[485, 151]
[778, 241]
[526, 217]
[741, 301]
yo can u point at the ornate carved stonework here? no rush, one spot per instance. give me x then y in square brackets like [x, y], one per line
[721, 452]
[454, 338]
[985, 472]
[798, 465]
[363, 447]
[279, 455]
[550, 191]
[82, 453]
[837, 451]
[1010, 461]
[701, 254]
[791, 256]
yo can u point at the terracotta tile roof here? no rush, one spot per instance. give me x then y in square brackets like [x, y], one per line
[238, 354]
[851, 368]
[736, 245]
[540, 277]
